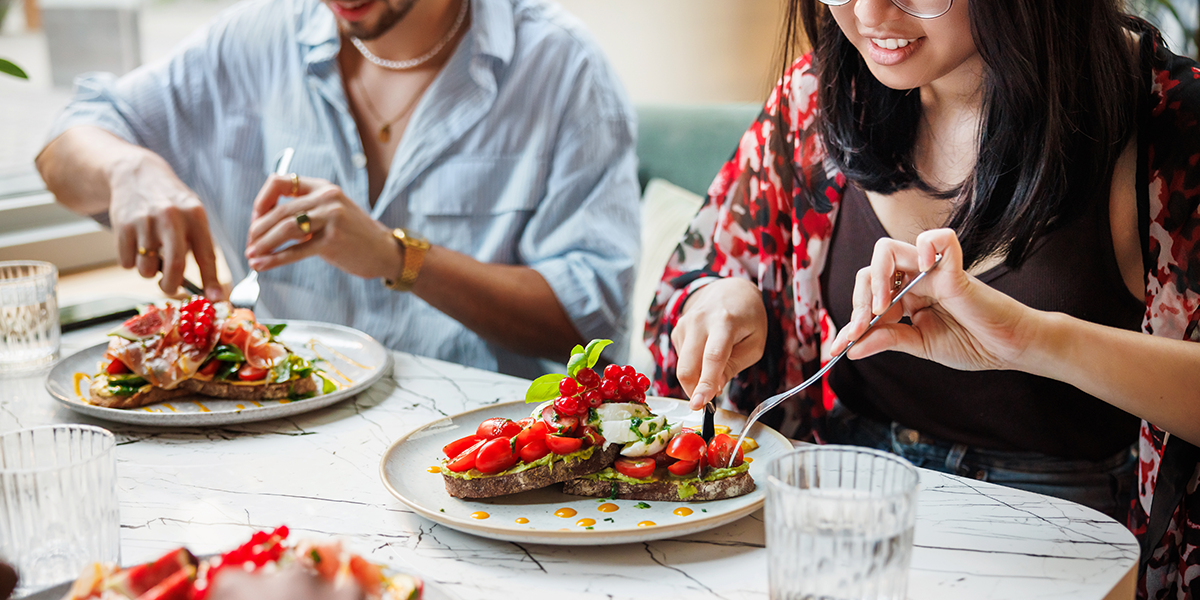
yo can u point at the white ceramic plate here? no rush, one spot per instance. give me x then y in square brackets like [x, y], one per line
[349, 356]
[405, 472]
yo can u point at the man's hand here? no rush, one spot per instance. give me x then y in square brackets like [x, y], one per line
[158, 220]
[339, 231]
[723, 329]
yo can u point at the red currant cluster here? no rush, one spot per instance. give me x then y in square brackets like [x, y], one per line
[262, 548]
[587, 390]
[196, 320]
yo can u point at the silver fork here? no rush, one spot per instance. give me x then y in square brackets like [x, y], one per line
[774, 401]
[245, 293]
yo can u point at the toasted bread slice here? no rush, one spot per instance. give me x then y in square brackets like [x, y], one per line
[684, 490]
[99, 395]
[490, 486]
[304, 386]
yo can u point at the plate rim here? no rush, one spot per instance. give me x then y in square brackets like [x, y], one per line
[225, 417]
[573, 537]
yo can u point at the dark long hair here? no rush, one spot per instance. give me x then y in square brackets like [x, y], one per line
[1059, 93]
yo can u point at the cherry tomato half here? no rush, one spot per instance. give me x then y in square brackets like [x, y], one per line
[535, 431]
[249, 373]
[561, 424]
[210, 368]
[591, 436]
[466, 459]
[495, 455]
[116, 367]
[719, 450]
[560, 444]
[661, 459]
[683, 467]
[498, 427]
[637, 468]
[453, 449]
[534, 450]
[526, 422]
[686, 446]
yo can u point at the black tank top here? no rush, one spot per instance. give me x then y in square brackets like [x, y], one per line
[1072, 270]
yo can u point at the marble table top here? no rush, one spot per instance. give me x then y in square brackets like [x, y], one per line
[319, 474]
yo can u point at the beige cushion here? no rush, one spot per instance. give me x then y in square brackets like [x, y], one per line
[667, 209]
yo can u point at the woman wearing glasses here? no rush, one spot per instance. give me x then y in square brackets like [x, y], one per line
[1048, 149]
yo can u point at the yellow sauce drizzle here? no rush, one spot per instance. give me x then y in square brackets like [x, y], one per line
[434, 469]
[256, 403]
[721, 429]
[79, 377]
[607, 507]
[203, 408]
[147, 409]
[647, 524]
[284, 401]
[312, 345]
[479, 514]
[585, 522]
[170, 407]
[683, 511]
[241, 407]
[565, 513]
[522, 520]
[748, 459]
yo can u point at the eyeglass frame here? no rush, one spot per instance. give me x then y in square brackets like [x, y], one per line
[949, 4]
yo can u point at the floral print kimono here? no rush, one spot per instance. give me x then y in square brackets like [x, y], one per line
[770, 223]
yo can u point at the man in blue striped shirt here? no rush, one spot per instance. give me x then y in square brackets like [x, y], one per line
[493, 129]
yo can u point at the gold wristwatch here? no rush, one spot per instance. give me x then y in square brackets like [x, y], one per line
[414, 254]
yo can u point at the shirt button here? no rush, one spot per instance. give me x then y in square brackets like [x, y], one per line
[359, 159]
[912, 436]
[980, 475]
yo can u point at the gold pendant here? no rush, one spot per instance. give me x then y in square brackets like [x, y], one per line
[385, 133]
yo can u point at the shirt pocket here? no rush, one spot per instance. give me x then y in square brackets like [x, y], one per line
[477, 205]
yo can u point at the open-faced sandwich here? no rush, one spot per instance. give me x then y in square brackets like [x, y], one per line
[265, 567]
[596, 433]
[199, 347]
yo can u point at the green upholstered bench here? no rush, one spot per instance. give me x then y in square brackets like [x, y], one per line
[687, 144]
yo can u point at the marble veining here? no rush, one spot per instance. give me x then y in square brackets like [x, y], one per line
[319, 473]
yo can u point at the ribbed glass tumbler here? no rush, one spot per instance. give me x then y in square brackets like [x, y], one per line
[29, 329]
[58, 502]
[840, 524]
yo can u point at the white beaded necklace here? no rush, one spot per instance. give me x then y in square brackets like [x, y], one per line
[402, 65]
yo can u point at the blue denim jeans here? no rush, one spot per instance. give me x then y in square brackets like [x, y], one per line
[1106, 485]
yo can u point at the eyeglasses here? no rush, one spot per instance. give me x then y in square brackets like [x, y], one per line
[921, 9]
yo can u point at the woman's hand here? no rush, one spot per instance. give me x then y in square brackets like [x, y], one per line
[722, 330]
[339, 231]
[957, 320]
[158, 220]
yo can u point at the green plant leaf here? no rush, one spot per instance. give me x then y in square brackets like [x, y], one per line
[594, 348]
[9, 68]
[544, 388]
[228, 353]
[576, 350]
[576, 363]
[276, 329]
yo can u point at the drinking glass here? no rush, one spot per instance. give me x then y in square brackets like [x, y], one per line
[58, 502]
[839, 524]
[29, 329]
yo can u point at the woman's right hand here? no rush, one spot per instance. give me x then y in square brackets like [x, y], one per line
[158, 220]
[721, 331]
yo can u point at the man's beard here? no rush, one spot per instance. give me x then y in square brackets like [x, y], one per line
[387, 20]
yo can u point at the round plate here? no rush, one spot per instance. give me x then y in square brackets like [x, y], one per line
[350, 356]
[405, 472]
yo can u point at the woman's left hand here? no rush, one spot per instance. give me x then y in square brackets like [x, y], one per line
[957, 320]
[338, 230]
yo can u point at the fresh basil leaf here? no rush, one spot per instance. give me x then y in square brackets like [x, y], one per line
[576, 363]
[276, 329]
[594, 348]
[127, 379]
[228, 353]
[576, 350]
[544, 388]
[282, 371]
[9, 68]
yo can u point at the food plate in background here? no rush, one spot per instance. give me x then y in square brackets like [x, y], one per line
[351, 358]
[405, 469]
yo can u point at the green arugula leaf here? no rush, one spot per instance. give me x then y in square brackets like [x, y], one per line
[226, 371]
[594, 348]
[544, 388]
[282, 371]
[276, 329]
[228, 353]
[328, 387]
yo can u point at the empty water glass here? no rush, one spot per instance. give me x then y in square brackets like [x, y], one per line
[839, 524]
[29, 329]
[58, 502]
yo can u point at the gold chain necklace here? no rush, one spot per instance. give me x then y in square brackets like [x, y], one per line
[385, 131]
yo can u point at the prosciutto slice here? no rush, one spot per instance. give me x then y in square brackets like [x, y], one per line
[161, 356]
